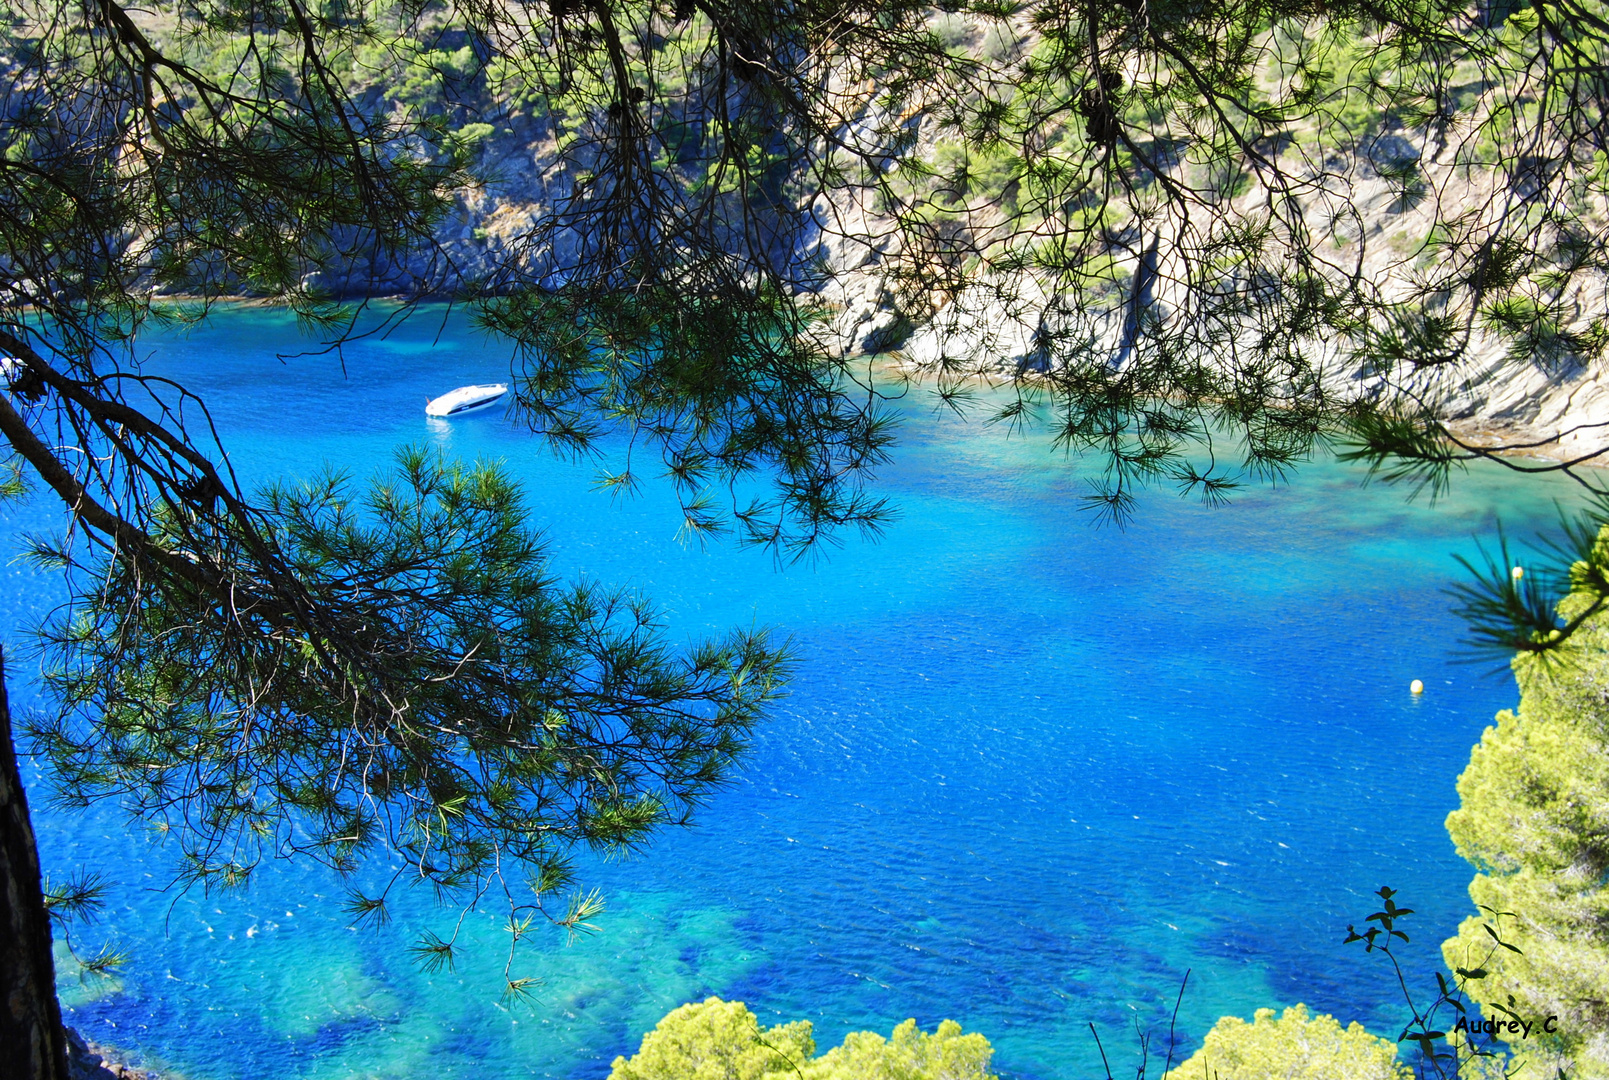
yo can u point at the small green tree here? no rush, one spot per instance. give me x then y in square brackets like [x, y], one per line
[1293, 1046]
[451, 702]
[722, 1040]
[908, 1054]
[717, 1040]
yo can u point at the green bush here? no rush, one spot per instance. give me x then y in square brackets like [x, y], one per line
[1293, 1047]
[472, 135]
[1535, 822]
[723, 1040]
[716, 1040]
[911, 1054]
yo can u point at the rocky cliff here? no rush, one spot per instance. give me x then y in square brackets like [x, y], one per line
[1557, 410]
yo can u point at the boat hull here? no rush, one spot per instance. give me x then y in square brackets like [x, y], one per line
[464, 399]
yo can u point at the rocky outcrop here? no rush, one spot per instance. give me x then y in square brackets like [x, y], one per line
[91, 1061]
[1552, 404]
[1001, 329]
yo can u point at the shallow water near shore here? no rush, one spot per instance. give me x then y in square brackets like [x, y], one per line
[1031, 771]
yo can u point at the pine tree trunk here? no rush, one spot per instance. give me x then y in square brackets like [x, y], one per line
[31, 1043]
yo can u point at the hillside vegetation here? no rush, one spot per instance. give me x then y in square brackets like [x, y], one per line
[1201, 240]
[1298, 205]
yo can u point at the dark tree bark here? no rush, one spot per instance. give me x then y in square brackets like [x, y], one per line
[32, 1046]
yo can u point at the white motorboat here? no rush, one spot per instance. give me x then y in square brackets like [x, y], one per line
[465, 398]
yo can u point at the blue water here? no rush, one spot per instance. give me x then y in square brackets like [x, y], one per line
[1031, 771]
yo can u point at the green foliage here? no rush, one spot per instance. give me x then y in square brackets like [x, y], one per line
[518, 82]
[13, 479]
[405, 676]
[719, 1040]
[409, 72]
[1293, 1046]
[1525, 614]
[1020, 158]
[1533, 819]
[724, 384]
[341, 673]
[716, 1040]
[1233, 133]
[908, 1054]
[471, 136]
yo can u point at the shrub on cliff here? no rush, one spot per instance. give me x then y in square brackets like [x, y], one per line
[1535, 822]
[1291, 1047]
[723, 1040]
[716, 1040]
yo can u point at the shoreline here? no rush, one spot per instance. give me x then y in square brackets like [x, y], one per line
[90, 1060]
[1503, 440]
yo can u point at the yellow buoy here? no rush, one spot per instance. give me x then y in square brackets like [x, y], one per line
[1517, 573]
[1416, 687]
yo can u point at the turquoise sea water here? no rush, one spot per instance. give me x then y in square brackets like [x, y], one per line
[1031, 771]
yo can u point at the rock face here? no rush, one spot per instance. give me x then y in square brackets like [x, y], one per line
[1563, 411]
[1566, 413]
[1559, 414]
[1555, 407]
[90, 1061]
